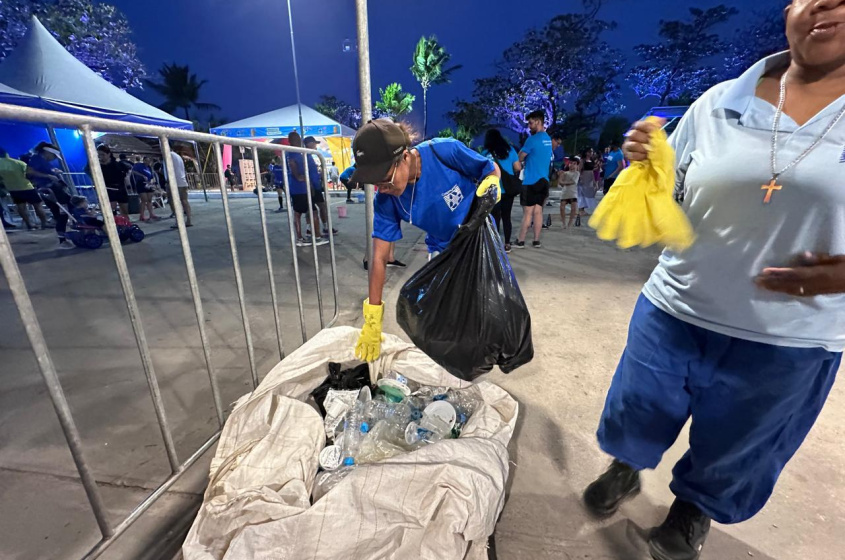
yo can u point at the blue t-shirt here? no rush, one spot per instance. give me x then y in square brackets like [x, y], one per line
[506, 164]
[440, 200]
[612, 162]
[38, 163]
[539, 150]
[278, 173]
[299, 187]
[144, 170]
[347, 174]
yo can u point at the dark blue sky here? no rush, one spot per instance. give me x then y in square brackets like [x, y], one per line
[242, 47]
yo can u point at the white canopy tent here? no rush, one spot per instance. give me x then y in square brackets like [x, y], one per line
[281, 122]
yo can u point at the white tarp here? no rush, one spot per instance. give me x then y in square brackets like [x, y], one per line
[278, 123]
[40, 66]
[428, 504]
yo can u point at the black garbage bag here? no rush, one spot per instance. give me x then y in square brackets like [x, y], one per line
[348, 379]
[464, 309]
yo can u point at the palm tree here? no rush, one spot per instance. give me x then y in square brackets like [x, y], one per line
[394, 102]
[180, 89]
[429, 68]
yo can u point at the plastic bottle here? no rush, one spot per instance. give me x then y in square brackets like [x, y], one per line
[466, 402]
[328, 480]
[354, 429]
[432, 427]
[381, 409]
[385, 440]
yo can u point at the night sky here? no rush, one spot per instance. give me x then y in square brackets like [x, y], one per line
[242, 47]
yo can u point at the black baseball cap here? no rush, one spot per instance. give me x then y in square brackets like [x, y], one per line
[308, 140]
[377, 146]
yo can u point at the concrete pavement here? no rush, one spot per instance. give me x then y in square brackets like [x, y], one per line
[580, 292]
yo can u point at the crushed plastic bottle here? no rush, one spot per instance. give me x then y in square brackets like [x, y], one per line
[436, 424]
[380, 408]
[466, 402]
[355, 427]
[327, 480]
[385, 440]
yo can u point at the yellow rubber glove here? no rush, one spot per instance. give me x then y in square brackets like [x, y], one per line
[489, 182]
[640, 209]
[369, 343]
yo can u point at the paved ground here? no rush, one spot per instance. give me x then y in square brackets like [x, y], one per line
[580, 291]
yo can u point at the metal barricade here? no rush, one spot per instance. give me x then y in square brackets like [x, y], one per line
[30, 321]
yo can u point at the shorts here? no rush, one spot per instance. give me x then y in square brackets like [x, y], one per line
[143, 188]
[299, 203]
[28, 196]
[317, 197]
[183, 193]
[536, 194]
[118, 194]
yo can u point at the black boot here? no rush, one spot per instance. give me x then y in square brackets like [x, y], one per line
[604, 496]
[682, 535]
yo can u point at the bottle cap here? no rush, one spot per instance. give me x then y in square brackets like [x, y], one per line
[330, 457]
[365, 427]
[349, 462]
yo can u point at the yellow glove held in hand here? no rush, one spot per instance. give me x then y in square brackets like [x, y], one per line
[368, 348]
[489, 182]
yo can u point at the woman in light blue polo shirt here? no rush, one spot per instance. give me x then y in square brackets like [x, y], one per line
[744, 331]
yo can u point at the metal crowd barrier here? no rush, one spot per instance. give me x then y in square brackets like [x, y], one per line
[86, 126]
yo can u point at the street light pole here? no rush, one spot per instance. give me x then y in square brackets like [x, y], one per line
[366, 108]
[295, 71]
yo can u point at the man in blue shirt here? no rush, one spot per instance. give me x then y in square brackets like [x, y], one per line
[614, 163]
[299, 191]
[431, 186]
[318, 196]
[277, 172]
[45, 171]
[345, 180]
[534, 161]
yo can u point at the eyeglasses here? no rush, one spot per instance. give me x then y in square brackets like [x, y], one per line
[388, 185]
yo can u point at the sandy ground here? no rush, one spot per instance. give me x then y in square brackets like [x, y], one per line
[580, 291]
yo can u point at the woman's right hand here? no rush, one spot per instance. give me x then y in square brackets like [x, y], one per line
[636, 147]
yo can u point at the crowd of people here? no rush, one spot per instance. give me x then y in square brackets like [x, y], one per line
[36, 179]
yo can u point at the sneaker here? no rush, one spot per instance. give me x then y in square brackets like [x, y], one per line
[322, 241]
[537, 245]
[65, 245]
[301, 242]
[326, 231]
[519, 244]
[396, 264]
[280, 210]
[682, 535]
[507, 247]
[619, 483]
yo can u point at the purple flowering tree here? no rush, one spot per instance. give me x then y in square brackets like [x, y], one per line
[97, 34]
[678, 66]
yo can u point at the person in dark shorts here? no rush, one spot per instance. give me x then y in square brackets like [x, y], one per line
[115, 179]
[614, 163]
[44, 170]
[299, 192]
[13, 178]
[534, 160]
[318, 196]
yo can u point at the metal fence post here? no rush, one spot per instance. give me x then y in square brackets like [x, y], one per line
[236, 264]
[192, 274]
[51, 380]
[325, 178]
[269, 256]
[291, 217]
[200, 170]
[314, 229]
[129, 296]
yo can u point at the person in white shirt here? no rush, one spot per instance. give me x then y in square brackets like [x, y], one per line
[177, 155]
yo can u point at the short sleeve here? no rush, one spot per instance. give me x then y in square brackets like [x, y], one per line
[463, 160]
[386, 220]
[529, 144]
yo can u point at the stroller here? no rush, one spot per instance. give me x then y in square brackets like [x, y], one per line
[92, 236]
[89, 236]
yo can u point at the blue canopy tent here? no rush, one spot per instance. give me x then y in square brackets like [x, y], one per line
[281, 122]
[41, 73]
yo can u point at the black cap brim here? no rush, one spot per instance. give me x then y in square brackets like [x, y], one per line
[371, 174]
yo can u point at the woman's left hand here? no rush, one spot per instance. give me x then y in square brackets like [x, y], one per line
[812, 274]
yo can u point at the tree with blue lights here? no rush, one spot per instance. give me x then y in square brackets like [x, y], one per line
[764, 34]
[678, 66]
[96, 34]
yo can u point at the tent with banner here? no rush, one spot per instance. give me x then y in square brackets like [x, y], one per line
[281, 122]
[40, 73]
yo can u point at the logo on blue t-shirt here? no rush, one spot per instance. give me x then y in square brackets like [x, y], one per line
[453, 197]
